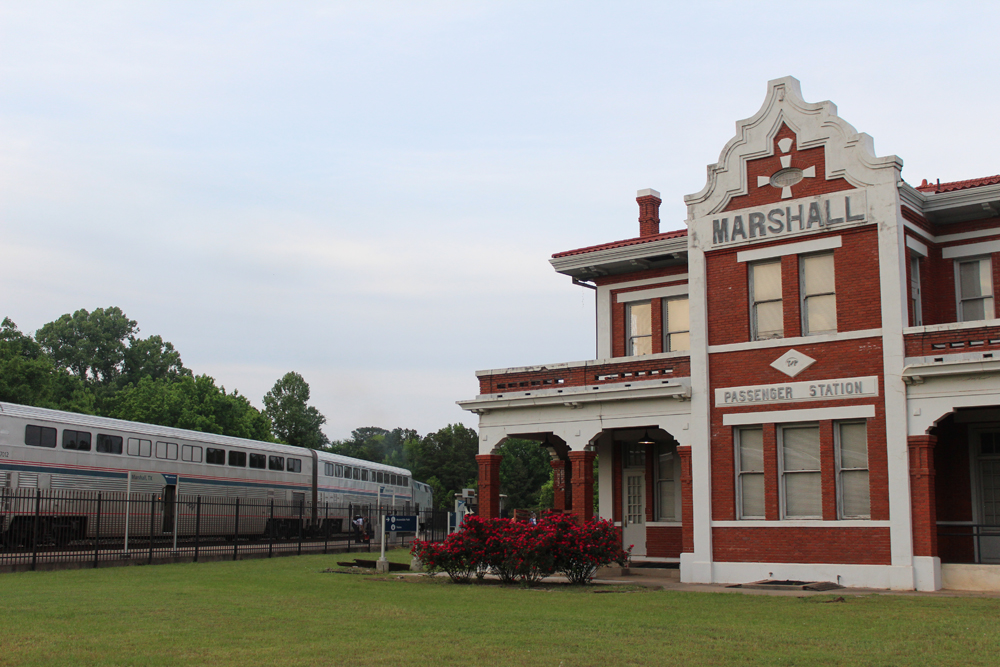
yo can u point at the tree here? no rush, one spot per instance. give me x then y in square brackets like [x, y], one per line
[90, 345]
[194, 403]
[447, 456]
[523, 470]
[293, 421]
[151, 357]
[28, 376]
[372, 443]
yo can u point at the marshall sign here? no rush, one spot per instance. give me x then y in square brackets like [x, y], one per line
[802, 216]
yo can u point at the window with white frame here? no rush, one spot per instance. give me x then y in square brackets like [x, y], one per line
[852, 470]
[819, 298]
[676, 325]
[750, 473]
[667, 488]
[974, 280]
[801, 489]
[639, 321]
[766, 314]
[916, 303]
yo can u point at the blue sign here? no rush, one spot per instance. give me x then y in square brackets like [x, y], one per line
[401, 524]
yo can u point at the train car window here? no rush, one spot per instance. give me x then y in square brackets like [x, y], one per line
[276, 463]
[258, 461]
[139, 447]
[378, 476]
[39, 436]
[364, 474]
[294, 465]
[406, 481]
[357, 473]
[237, 459]
[392, 480]
[347, 472]
[328, 469]
[78, 440]
[340, 470]
[109, 444]
[215, 456]
[166, 450]
[191, 453]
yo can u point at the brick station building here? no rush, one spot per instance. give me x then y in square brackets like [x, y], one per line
[799, 385]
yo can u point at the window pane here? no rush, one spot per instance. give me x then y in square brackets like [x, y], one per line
[969, 278]
[641, 346]
[767, 281]
[818, 270]
[276, 462]
[678, 342]
[853, 446]
[770, 323]
[109, 444]
[974, 310]
[666, 508]
[640, 321]
[666, 466]
[258, 461]
[856, 500]
[803, 497]
[752, 450]
[801, 448]
[753, 495]
[821, 313]
[678, 315]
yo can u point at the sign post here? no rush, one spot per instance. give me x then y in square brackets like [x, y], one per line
[128, 497]
[382, 565]
[394, 524]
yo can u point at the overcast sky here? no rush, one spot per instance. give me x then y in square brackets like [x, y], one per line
[368, 193]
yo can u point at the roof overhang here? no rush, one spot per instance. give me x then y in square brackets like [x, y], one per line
[574, 397]
[626, 259]
[943, 208]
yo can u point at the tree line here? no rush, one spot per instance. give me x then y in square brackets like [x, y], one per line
[97, 363]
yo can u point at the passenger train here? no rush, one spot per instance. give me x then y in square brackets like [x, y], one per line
[53, 450]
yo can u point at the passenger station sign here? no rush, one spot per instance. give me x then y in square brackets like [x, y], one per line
[794, 392]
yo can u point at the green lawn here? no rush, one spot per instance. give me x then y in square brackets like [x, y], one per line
[287, 611]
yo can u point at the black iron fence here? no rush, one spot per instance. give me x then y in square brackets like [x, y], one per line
[80, 528]
[969, 543]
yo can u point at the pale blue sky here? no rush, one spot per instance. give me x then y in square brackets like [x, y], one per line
[368, 193]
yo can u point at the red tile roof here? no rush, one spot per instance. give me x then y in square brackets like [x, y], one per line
[621, 244]
[958, 185]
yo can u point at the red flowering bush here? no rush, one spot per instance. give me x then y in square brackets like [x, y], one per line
[514, 550]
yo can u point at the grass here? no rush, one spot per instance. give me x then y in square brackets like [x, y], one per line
[287, 611]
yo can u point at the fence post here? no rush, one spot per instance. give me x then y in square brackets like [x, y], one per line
[270, 541]
[34, 530]
[326, 525]
[302, 508]
[197, 526]
[97, 531]
[236, 530]
[152, 513]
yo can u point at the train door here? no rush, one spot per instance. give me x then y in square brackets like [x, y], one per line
[169, 507]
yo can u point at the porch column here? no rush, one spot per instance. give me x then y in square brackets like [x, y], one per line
[687, 501]
[489, 485]
[582, 482]
[923, 502]
[562, 500]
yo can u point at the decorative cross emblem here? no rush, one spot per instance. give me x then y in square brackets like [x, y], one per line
[788, 175]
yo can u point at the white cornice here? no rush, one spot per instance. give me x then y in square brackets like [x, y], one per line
[582, 364]
[574, 397]
[638, 251]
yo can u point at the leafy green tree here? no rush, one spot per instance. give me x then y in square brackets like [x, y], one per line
[151, 357]
[293, 421]
[28, 376]
[523, 470]
[372, 443]
[449, 457]
[194, 403]
[92, 346]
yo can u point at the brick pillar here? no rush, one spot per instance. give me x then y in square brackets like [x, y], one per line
[687, 501]
[582, 483]
[923, 502]
[562, 500]
[649, 212]
[489, 485]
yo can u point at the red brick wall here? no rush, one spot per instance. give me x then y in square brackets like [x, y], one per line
[856, 271]
[940, 343]
[766, 194]
[642, 368]
[867, 546]
[663, 541]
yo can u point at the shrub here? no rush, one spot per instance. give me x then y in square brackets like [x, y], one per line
[514, 550]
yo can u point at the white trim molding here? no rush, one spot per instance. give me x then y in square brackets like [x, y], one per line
[807, 415]
[799, 248]
[917, 246]
[656, 293]
[970, 249]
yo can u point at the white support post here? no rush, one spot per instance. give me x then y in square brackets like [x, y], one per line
[383, 564]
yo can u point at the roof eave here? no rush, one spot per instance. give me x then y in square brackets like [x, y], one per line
[624, 259]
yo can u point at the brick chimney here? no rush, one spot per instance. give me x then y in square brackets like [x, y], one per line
[649, 212]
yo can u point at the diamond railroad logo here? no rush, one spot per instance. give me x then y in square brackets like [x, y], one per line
[787, 176]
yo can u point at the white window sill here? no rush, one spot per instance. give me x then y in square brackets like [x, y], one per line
[801, 523]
